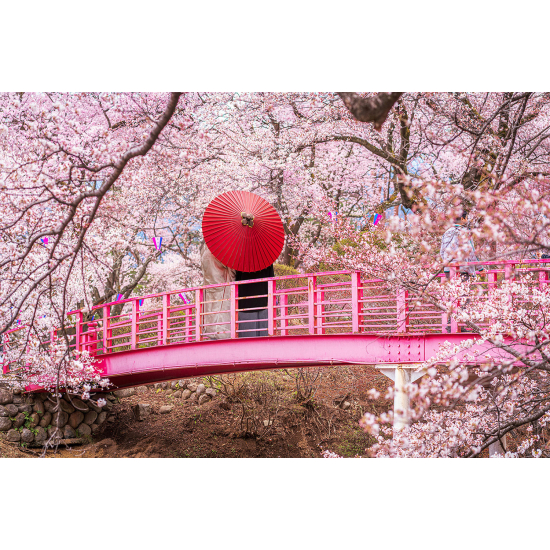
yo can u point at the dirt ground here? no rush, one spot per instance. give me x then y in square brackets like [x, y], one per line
[285, 413]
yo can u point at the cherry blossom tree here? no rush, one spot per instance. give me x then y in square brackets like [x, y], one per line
[89, 179]
[484, 155]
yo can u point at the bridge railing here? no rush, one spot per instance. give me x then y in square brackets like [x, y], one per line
[338, 302]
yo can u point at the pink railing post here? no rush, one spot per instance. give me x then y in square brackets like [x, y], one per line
[92, 337]
[85, 338]
[188, 325]
[491, 281]
[271, 307]
[454, 324]
[509, 271]
[320, 311]
[355, 306]
[78, 331]
[233, 310]
[444, 322]
[165, 318]
[106, 329]
[159, 328]
[198, 310]
[543, 280]
[311, 284]
[402, 311]
[284, 314]
[5, 364]
[134, 338]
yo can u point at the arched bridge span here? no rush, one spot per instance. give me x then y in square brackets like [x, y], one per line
[311, 319]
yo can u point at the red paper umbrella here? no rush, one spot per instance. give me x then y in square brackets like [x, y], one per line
[243, 231]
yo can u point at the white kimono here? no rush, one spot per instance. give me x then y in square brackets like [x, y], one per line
[456, 245]
[214, 272]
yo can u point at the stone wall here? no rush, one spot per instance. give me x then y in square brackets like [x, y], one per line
[32, 419]
[191, 389]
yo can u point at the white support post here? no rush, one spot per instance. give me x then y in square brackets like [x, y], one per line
[401, 375]
[401, 400]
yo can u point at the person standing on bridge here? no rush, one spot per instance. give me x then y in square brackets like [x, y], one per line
[245, 232]
[457, 244]
[254, 319]
[217, 303]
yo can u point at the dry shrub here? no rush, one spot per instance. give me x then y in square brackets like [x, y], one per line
[308, 381]
[258, 398]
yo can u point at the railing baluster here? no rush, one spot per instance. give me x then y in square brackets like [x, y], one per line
[5, 364]
[355, 283]
[233, 310]
[134, 338]
[543, 279]
[491, 281]
[454, 324]
[165, 318]
[188, 325]
[199, 293]
[311, 283]
[284, 314]
[320, 311]
[159, 328]
[92, 337]
[444, 322]
[509, 271]
[106, 330]
[78, 331]
[270, 308]
[402, 311]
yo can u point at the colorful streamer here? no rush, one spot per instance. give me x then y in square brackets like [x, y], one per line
[118, 297]
[157, 242]
[184, 299]
[377, 218]
[44, 240]
[141, 302]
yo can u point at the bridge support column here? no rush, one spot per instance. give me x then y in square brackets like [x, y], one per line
[401, 375]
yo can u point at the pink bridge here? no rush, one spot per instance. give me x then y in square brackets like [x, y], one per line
[329, 318]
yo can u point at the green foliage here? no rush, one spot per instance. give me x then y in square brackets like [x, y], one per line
[28, 423]
[354, 442]
[372, 238]
[282, 270]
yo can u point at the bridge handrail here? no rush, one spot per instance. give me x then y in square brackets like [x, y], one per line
[347, 306]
